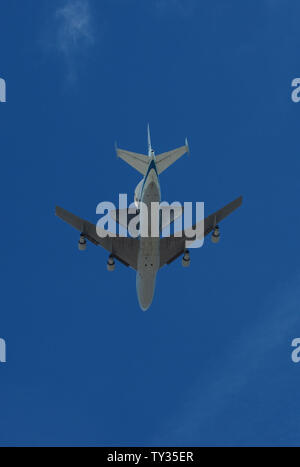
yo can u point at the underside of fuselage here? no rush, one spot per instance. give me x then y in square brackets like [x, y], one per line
[148, 258]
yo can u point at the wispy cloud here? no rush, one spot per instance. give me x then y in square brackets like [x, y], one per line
[249, 357]
[75, 32]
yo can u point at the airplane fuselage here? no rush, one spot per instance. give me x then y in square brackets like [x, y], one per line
[149, 255]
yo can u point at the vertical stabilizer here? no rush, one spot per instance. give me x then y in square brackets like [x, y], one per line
[150, 150]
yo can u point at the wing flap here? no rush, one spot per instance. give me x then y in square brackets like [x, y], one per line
[170, 249]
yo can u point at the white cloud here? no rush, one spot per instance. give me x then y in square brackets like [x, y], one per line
[75, 31]
[75, 27]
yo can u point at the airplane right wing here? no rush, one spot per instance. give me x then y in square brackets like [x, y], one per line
[172, 247]
[122, 248]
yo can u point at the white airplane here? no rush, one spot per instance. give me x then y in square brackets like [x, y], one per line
[148, 254]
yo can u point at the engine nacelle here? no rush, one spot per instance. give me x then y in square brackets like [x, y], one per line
[111, 265]
[186, 260]
[216, 236]
[82, 243]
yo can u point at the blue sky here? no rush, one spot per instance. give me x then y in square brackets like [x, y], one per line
[209, 364]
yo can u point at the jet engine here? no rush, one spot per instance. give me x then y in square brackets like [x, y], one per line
[215, 238]
[111, 265]
[82, 243]
[186, 260]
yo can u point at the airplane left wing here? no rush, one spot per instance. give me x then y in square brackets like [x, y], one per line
[122, 248]
[213, 220]
[172, 247]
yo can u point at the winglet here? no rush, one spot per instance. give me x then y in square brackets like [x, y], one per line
[188, 147]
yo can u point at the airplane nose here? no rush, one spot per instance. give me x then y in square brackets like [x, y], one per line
[145, 298]
[144, 306]
[145, 292]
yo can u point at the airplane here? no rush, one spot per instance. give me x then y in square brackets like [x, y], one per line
[146, 255]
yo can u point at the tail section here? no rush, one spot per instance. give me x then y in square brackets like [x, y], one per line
[163, 161]
[139, 162]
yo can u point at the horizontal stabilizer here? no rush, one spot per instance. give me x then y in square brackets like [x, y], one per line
[163, 161]
[139, 162]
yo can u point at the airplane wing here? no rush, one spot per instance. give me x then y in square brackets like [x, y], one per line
[122, 248]
[172, 247]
